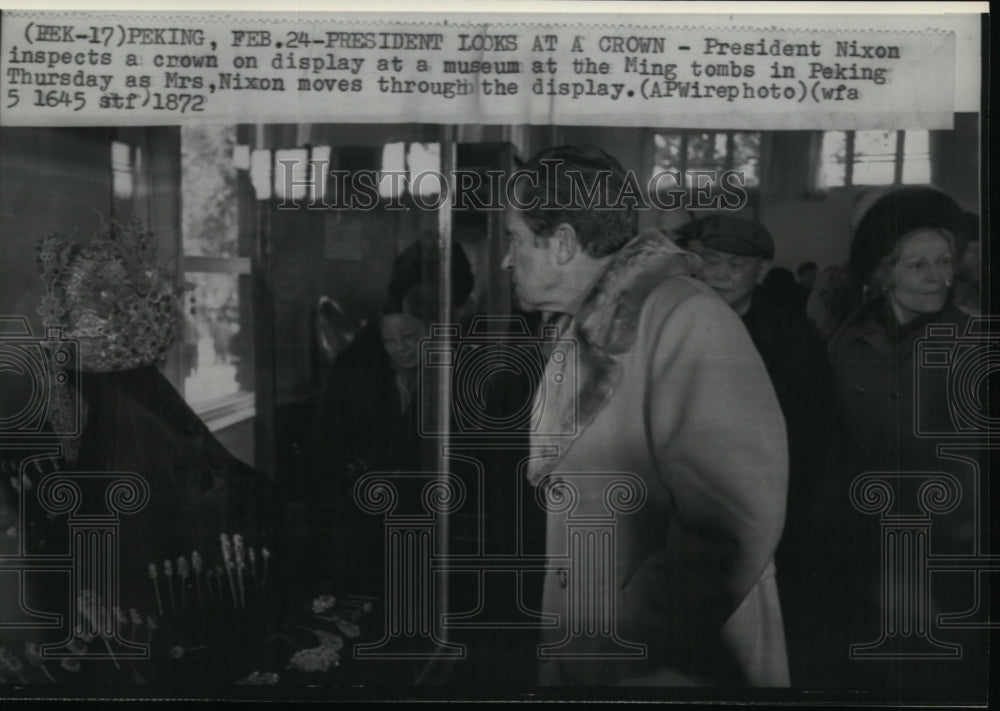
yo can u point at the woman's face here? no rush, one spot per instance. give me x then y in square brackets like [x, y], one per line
[401, 334]
[922, 275]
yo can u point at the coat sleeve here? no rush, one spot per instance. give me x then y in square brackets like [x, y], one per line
[717, 437]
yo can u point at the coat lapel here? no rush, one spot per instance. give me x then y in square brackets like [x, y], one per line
[576, 390]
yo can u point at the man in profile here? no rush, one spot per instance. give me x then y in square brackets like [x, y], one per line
[665, 388]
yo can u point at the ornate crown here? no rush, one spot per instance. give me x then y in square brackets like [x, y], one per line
[108, 292]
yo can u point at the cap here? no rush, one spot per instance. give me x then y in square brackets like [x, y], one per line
[735, 235]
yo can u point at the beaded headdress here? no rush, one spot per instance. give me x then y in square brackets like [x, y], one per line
[108, 292]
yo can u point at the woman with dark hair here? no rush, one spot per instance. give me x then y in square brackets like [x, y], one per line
[904, 252]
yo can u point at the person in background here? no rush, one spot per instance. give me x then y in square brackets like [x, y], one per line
[780, 288]
[736, 254]
[366, 418]
[807, 273]
[904, 250]
[666, 372]
[367, 421]
[837, 293]
[968, 271]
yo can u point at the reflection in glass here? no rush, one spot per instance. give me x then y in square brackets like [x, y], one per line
[746, 157]
[208, 191]
[917, 157]
[833, 160]
[211, 336]
[874, 157]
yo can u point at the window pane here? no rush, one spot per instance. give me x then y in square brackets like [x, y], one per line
[320, 172]
[917, 157]
[874, 157]
[833, 159]
[393, 161]
[425, 158]
[667, 152]
[746, 157]
[212, 342]
[208, 191]
[122, 178]
[291, 174]
[706, 151]
[260, 173]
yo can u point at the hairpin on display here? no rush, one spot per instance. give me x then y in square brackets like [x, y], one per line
[89, 605]
[252, 555]
[32, 652]
[153, 574]
[178, 650]
[9, 662]
[227, 559]
[265, 555]
[196, 565]
[210, 584]
[151, 626]
[219, 582]
[239, 558]
[168, 572]
[135, 617]
[182, 573]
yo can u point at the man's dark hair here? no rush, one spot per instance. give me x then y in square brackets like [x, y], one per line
[584, 194]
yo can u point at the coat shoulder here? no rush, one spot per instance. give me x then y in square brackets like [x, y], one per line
[676, 290]
[695, 297]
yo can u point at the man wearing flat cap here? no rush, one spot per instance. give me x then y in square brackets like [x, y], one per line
[736, 254]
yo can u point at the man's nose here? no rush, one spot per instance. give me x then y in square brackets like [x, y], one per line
[507, 264]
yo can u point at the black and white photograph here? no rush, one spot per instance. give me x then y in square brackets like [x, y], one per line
[545, 352]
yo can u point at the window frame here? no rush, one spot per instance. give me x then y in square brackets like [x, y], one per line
[850, 161]
[224, 411]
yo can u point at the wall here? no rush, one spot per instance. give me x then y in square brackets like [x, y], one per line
[51, 180]
[809, 225]
[806, 224]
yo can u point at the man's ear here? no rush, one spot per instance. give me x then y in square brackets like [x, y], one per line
[563, 243]
[763, 269]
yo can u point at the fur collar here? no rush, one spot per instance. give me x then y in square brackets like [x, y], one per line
[604, 328]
